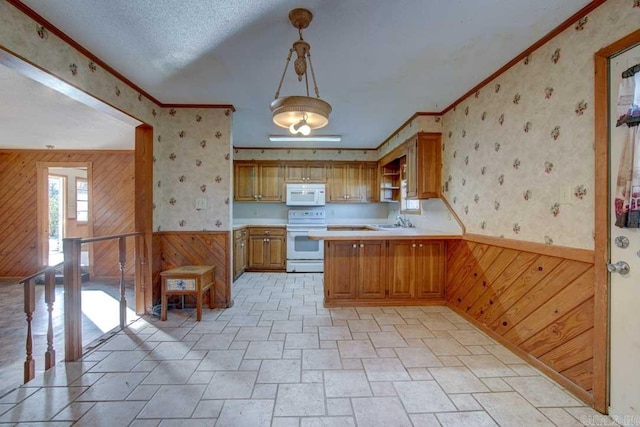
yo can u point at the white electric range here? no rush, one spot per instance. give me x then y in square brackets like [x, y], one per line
[304, 255]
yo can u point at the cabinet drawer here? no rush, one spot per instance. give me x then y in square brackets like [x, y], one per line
[267, 231]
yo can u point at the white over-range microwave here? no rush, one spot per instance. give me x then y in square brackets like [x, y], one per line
[305, 194]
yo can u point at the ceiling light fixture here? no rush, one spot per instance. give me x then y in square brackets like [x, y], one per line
[315, 138]
[300, 114]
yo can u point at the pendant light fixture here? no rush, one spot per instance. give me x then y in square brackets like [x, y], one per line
[300, 114]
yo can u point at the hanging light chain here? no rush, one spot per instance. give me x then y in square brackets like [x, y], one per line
[313, 75]
[286, 65]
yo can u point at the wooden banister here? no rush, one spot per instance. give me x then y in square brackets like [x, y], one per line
[29, 308]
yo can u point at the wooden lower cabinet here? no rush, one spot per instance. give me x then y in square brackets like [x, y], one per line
[239, 252]
[267, 249]
[384, 272]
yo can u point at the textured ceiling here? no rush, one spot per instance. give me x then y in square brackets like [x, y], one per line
[377, 62]
[33, 116]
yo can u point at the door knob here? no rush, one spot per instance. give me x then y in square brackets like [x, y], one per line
[619, 267]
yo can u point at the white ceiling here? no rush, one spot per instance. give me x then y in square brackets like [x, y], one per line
[376, 61]
[33, 116]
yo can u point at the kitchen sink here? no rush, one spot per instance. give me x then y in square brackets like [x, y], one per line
[387, 226]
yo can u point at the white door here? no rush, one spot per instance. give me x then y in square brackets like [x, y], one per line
[625, 288]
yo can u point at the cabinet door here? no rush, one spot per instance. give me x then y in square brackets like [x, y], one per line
[294, 173]
[257, 253]
[429, 161]
[369, 182]
[341, 269]
[270, 183]
[412, 169]
[237, 260]
[402, 265]
[276, 253]
[372, 278]
[243, 253]
[353, 181]
[317, 173]
[245, 181]
[430, 268]
[337, 190]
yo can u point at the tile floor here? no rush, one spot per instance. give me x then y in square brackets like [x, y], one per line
[278, 358]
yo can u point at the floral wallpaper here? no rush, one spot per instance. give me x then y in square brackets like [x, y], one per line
[192, 159]
[518, 159]
[178, 133]
[303, 154]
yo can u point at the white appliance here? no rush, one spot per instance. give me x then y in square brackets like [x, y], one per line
[305, 194]
[305, 255]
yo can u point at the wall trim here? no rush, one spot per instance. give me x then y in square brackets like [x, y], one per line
[77, 46]
[455, 215]
[557, 377]
[21, 150]
[575, 254]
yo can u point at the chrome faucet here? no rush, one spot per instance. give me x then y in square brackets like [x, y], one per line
[403, 221]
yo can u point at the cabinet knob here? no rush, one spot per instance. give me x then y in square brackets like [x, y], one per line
[420, 244]
[259, 196]
[267, 240]
[414, 245]
[242, 245]
[267, 232]
[355, 246]
[255, 196]
[362, 245]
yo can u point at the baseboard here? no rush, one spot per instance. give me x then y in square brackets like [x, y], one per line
[581, 394]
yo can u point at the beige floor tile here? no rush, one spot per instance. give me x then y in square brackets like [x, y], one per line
[423, 396]
[169, 334]
[173, 401]
[465, 402]
[221, 360]
[170, 350]
[253, 333]
[327, 422]
[363, 326]
[344, 313]
[385, 370]
[424, 420]
[254, 413]
[172, 372]
[208, 409]
[505, 355]
[511, 409]
[42, 405]
[109, 414]
[287, 326]
[413, 331]
[471, 337]
[214, 342]
[445, 347]
[76, 410]
[285, 422]
[339, 406]
[265, 391]
[317, 320]
[346, 384]
[300, 400]
[264, 350]
[301, 341]
[417, 357]
[356, 349]
[466, 419]
[541, 392]
[231, 385]
[387, 339]
[380, 412]
[145, 392]
[419, 374]
[321, 359]
[119, 361]
[389, 319]
[486, 366]
[334, 332]
[280, 371]
[496, 384]
[457, 380]
[112, 386]
[438, 323]
[560, 417]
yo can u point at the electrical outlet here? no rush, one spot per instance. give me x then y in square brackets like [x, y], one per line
[201, 204]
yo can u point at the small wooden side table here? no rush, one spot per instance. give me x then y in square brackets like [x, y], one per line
[188, 280]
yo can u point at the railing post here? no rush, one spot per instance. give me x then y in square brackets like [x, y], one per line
[72, 299]
[29, 308]
[122, 258]
[49, 299]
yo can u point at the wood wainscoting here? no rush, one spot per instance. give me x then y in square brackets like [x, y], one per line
[173, 249]
[112, 207]
[536, 299]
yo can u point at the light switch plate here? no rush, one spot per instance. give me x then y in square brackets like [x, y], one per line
[201, 204]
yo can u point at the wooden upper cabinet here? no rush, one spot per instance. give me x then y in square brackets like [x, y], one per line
[258, 182]
[369, 182]
[315, 173]
[424, 166]
[353, 182]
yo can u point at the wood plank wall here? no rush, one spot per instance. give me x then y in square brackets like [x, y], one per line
[113, 206]
[539, 303]
[173, 249]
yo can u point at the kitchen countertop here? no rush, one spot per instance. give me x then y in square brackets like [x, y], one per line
[383, 234]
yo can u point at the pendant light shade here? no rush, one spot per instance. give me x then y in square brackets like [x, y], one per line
[300, 114]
